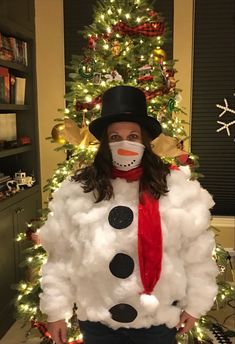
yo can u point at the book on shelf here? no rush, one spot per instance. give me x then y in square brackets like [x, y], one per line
[20, 84]
[8, 126]
[12, 89]
[13, 49]
[6, 52]
[4, 85]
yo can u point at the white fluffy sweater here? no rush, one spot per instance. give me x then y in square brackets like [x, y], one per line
[81, 243]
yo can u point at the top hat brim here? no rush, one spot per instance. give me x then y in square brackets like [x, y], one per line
[150, 124]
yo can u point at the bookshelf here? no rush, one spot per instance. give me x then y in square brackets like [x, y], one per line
[17, 153]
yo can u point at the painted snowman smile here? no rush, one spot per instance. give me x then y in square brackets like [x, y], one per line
[126, 154]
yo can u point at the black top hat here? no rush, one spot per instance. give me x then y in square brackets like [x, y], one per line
[124, 104]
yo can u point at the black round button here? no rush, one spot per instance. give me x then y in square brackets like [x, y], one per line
[123, 313]
[121, 265]
[120, 217]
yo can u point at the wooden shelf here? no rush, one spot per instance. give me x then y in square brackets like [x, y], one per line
[4, 203]
[13, 107]
[14, 65]
[13, 151]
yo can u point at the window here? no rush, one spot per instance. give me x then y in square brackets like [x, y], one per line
[214, 80]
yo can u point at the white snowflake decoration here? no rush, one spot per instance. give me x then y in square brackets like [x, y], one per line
[225, 110]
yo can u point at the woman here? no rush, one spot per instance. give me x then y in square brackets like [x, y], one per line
[127, 238]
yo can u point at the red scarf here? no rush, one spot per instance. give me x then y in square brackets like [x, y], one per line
[149, 233]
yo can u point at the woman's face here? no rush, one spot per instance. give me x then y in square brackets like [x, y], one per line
[120, 131]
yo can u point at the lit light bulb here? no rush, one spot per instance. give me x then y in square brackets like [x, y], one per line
[128, 16]
[106, 46]
[88, 99]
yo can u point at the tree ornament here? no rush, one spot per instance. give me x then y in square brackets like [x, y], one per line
[169, 76]
[57, 133]
[152, 13]
[116, 48]
[145, 73]
[87, 68]
[159, 55]
[171, 82]
[97, 78]
[91, 43]
[114, 76]
[171, 105]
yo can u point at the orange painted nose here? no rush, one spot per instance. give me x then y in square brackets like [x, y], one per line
[125, 152]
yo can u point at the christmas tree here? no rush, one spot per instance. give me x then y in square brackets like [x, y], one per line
[125, 45]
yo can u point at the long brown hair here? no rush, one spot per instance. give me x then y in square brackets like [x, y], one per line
[96, 177]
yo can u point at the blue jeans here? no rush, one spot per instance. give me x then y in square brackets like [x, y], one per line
[97, 333]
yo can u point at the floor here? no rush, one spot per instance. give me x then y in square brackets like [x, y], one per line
[17, 335]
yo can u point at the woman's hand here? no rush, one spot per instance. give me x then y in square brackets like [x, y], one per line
[57, 330]
[186, 322]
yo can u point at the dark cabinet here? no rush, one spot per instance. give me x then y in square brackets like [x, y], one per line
[17, 24]
[23, 212]
[7, 268]
[13, 221]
